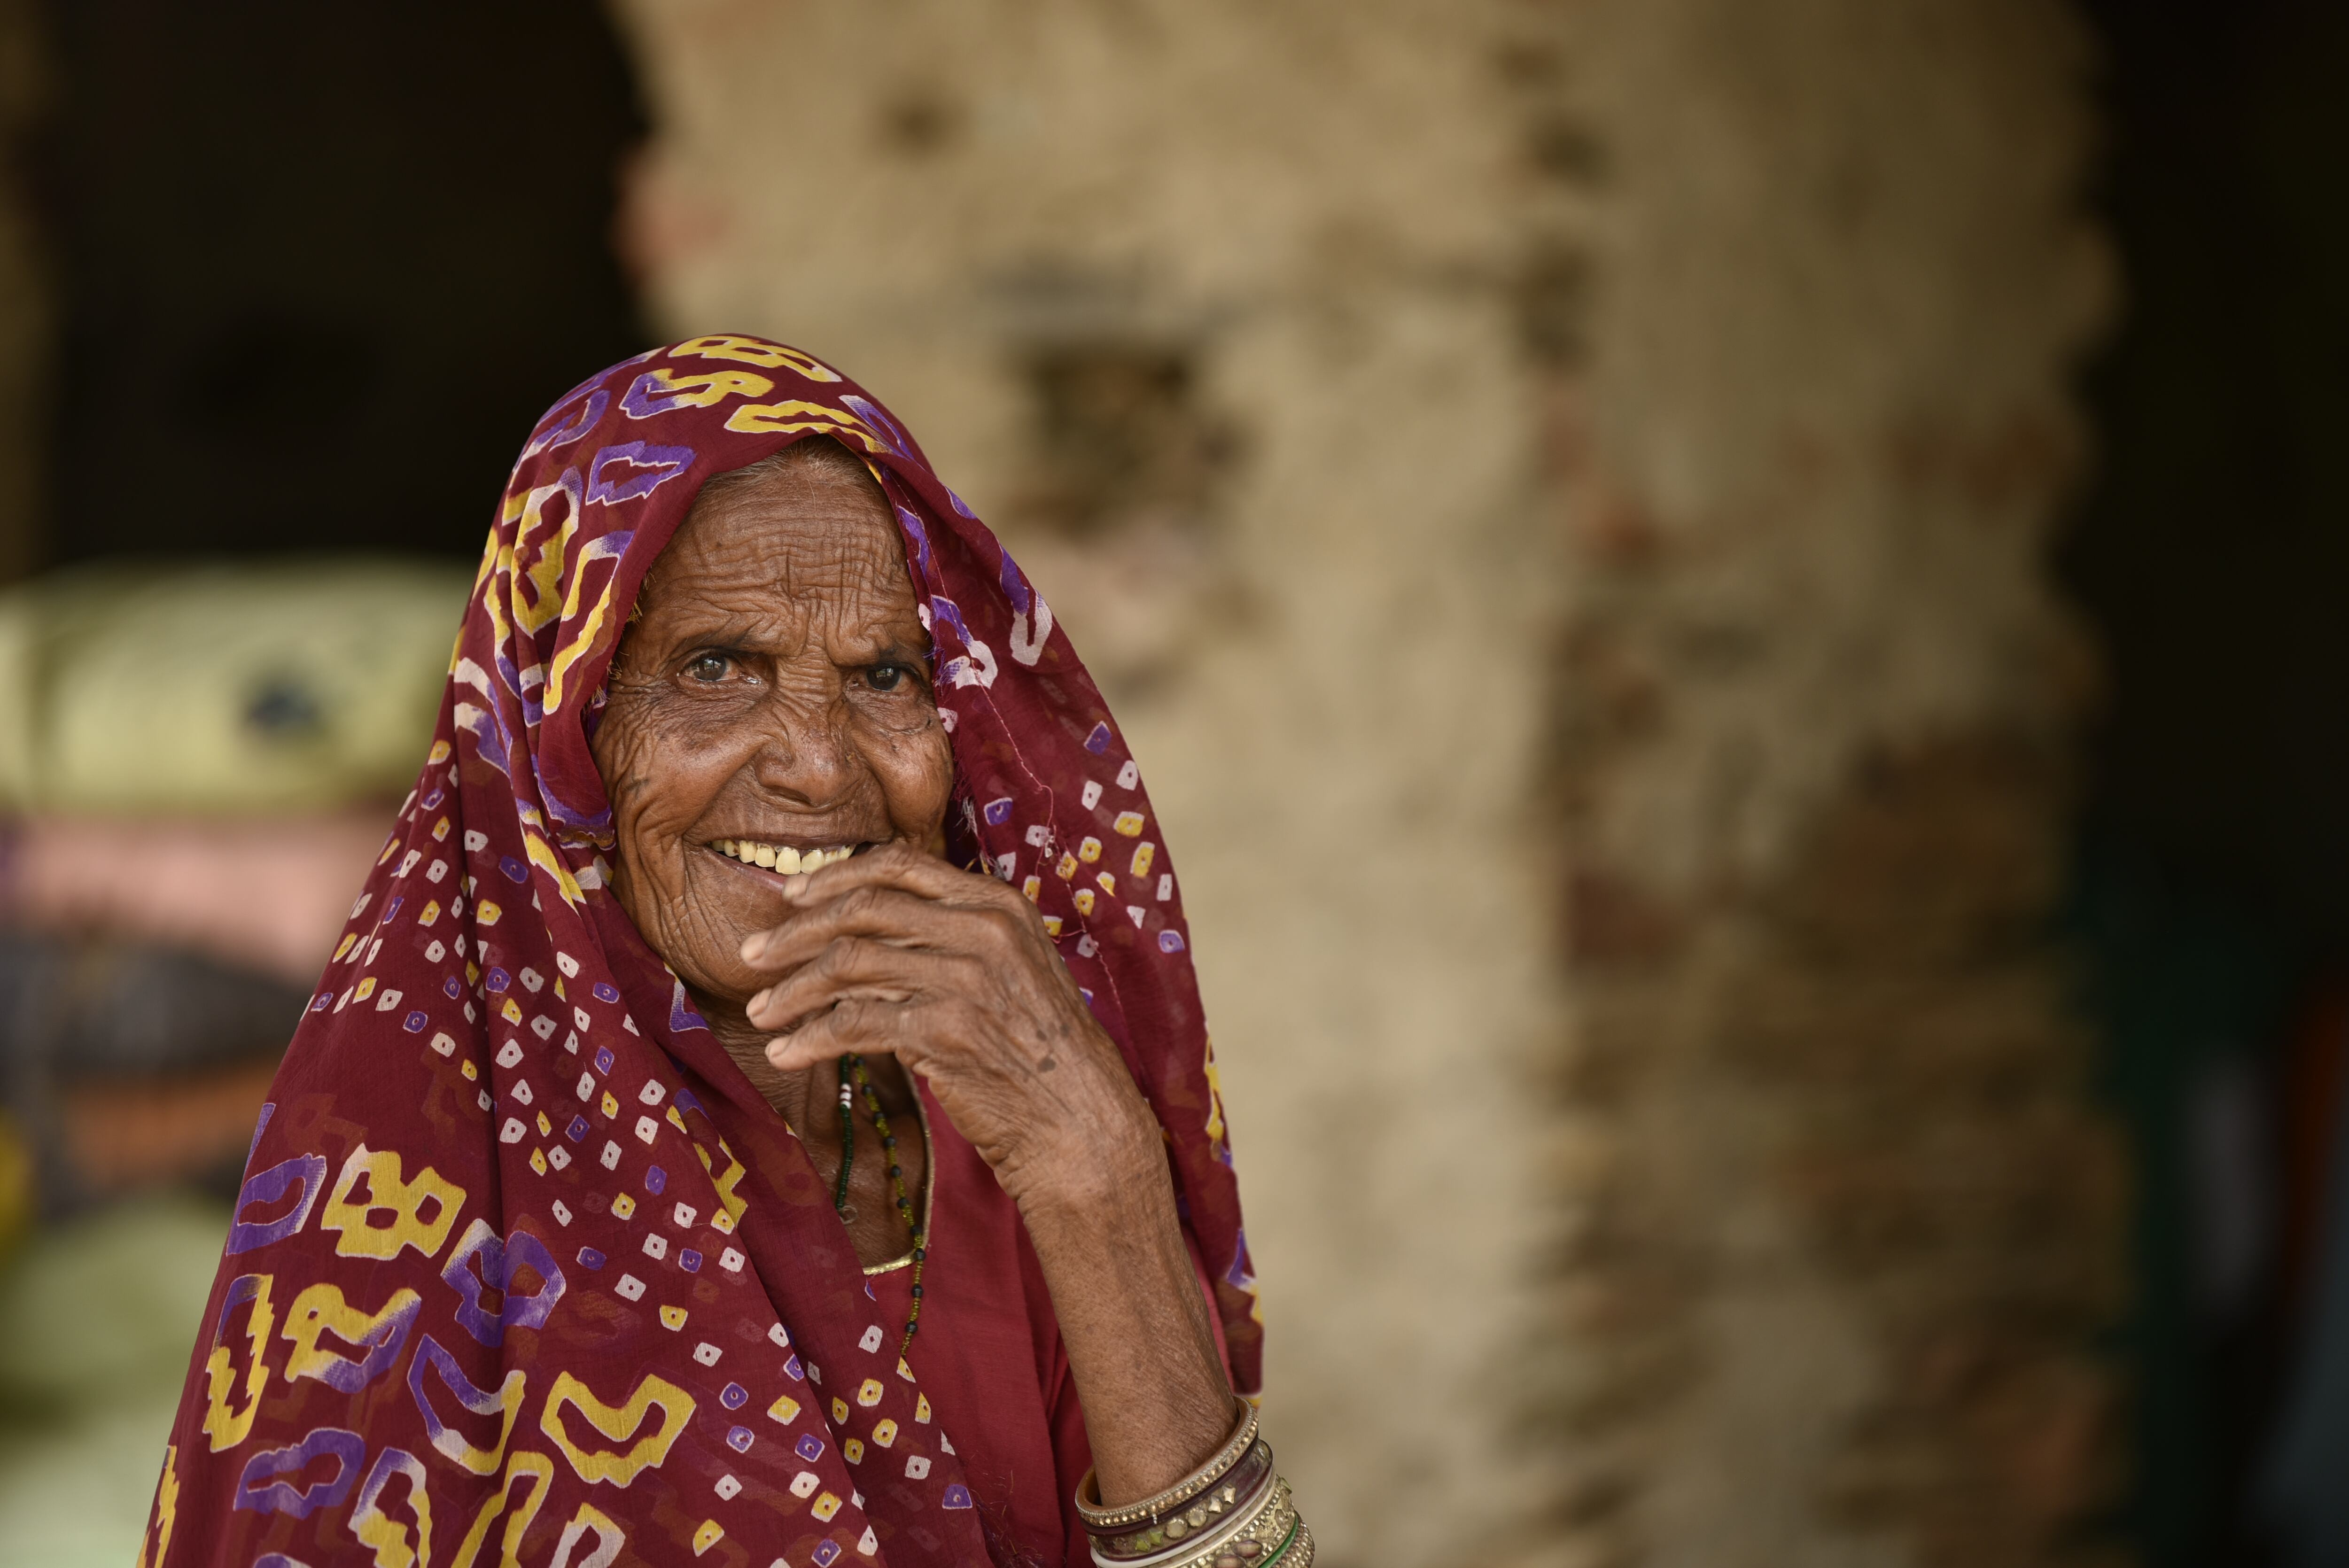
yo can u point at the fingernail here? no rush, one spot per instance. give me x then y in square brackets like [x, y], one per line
[794, 886]
[752, 945]
[759, 1000]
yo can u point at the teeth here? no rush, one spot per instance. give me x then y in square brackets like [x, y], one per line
[781, 857]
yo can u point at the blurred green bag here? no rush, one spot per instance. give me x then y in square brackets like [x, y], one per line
[221, 688]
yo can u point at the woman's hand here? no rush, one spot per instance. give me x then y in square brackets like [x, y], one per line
[895, 953]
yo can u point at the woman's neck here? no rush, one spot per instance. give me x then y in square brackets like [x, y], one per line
[796, 1096]
[805, 1098]
[809, 1101]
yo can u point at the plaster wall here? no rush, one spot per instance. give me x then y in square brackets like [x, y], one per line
[1571, 570]
[1841, 1225]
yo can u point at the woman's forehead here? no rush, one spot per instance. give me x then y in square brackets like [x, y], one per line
[824, 542]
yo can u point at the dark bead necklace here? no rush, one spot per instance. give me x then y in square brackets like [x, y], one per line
[847, 1150]
[852, 1070]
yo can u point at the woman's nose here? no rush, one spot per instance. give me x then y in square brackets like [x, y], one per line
[802, 752]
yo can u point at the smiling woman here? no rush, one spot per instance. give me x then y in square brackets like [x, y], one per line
[771, 696]
[698, 916]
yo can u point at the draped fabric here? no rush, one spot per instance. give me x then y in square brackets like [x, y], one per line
[522, 1269]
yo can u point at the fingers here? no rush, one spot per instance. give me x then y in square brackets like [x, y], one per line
[879, 914]
[863, 1025]
[852, 966]
[869, 1026]
[891, 893]
[892, 866]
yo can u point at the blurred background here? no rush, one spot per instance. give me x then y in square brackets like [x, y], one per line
[1735, 608]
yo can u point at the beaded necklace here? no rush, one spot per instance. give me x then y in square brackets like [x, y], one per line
[852, 1071]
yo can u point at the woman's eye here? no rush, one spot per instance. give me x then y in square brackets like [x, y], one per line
[707, 667]
[886, 677]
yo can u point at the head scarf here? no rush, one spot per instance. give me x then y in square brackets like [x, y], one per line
[523, 1268]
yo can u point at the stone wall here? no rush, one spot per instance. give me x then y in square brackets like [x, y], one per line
[1557, 494]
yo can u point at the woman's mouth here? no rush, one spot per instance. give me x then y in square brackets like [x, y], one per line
[782, 858]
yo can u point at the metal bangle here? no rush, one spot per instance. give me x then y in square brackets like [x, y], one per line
[1152, 1510]
[1270, 1536]
[1233, 1496]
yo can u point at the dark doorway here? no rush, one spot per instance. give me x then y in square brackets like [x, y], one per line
[321, 266]
[2212, 555]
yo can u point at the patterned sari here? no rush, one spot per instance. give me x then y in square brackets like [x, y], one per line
[524, 1271]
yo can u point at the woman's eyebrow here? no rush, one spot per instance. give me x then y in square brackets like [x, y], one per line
[891, 652]
[735, 632]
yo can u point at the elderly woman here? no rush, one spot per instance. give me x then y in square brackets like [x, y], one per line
[760, 1107]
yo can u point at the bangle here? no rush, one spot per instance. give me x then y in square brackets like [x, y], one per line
[1231, 1496]
[1155, 1511]
[1233, 1511]
[1269, 1535]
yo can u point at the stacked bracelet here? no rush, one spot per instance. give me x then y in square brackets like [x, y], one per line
[1234, 1512]
[1175, 1499]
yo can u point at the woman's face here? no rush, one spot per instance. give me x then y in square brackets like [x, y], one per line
[770, 702]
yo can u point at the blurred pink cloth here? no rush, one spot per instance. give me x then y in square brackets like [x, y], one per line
[269, 894]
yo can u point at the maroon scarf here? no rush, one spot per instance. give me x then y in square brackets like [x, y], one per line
[522, 1261]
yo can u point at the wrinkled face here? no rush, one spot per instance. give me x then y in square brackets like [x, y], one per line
[769, 707]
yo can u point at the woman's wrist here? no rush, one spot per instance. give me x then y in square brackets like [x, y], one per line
[1099, 1153]
[1094, 1211]
[1101, 1178]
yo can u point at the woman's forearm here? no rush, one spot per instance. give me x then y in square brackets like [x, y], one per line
[1156, 1402]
